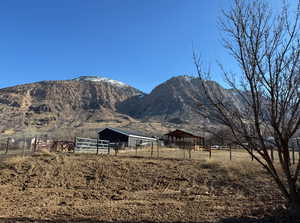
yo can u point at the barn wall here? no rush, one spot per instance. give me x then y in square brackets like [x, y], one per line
[113, 136]
[133, 141]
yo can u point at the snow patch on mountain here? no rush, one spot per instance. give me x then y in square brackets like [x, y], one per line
[101, 79]
[188, 77]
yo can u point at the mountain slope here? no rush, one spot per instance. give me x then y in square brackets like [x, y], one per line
[180, 100]
[54, 103]
[90, 102]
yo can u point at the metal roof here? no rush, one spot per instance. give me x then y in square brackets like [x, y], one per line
[182, 133]
[128, 132]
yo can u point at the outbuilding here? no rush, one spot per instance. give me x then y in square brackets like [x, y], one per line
[126, 137]
[181, 138]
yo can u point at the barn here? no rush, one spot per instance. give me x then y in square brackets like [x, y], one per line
[181, 137]
[125, 137]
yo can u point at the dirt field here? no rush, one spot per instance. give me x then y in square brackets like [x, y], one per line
[88, 188]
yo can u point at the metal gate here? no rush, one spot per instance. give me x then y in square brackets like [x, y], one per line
[88, 145]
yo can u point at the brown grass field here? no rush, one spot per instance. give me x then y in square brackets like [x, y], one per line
[60, 188]
[216, 154]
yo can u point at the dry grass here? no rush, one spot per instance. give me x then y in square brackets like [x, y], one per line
[89, 188]
[15, 160]
[45, 152]
[175, 153]
[237, 155]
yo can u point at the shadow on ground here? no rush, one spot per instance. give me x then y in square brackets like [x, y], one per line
[269, 219]
[75, 220]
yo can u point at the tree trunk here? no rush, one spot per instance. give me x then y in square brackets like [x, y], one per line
[294, 201]
[294, 207]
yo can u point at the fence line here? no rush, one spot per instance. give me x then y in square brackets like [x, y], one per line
[88, 145]
[218, 154]
[30, 145]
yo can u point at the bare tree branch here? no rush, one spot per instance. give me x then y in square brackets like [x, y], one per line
[266, 48]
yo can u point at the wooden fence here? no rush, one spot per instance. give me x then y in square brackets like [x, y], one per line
[88, 145]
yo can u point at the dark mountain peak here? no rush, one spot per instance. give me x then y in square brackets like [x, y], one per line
[177, 100]
[173, 83]
[183, 80]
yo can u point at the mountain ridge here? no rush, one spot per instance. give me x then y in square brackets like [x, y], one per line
[90, 102]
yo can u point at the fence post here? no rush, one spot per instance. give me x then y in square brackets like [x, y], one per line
[151, 149]
[75, 143]
[24, 146]
[190, 152]
[35, 144]
[97, 145]
[209, 152]
[230, 153]
[136, 148]
[117, 149]
[7, 146]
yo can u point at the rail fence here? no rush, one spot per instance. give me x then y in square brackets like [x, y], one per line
[88, 145]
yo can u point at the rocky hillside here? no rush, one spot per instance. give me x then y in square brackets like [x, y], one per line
[90, 102]
[51, 104]
[180, 100]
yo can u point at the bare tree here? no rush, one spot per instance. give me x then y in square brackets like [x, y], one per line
[219, 136]
[266, 47]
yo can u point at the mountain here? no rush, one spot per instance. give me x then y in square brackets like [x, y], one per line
[87, 103]
[51, 104]
[180, 100]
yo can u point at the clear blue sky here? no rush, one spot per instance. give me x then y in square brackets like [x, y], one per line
[139, 42]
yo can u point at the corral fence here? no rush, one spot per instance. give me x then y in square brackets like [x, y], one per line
[10, 146]
[192, 152]
[29, 145]
[97, 146]
[88, 145]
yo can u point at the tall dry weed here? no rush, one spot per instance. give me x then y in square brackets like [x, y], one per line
[234, 170]
[13, 161]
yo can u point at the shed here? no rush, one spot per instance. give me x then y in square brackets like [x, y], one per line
[182, 137]
[125, 137]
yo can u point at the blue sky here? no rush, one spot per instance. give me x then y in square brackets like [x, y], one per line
[139, 42]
